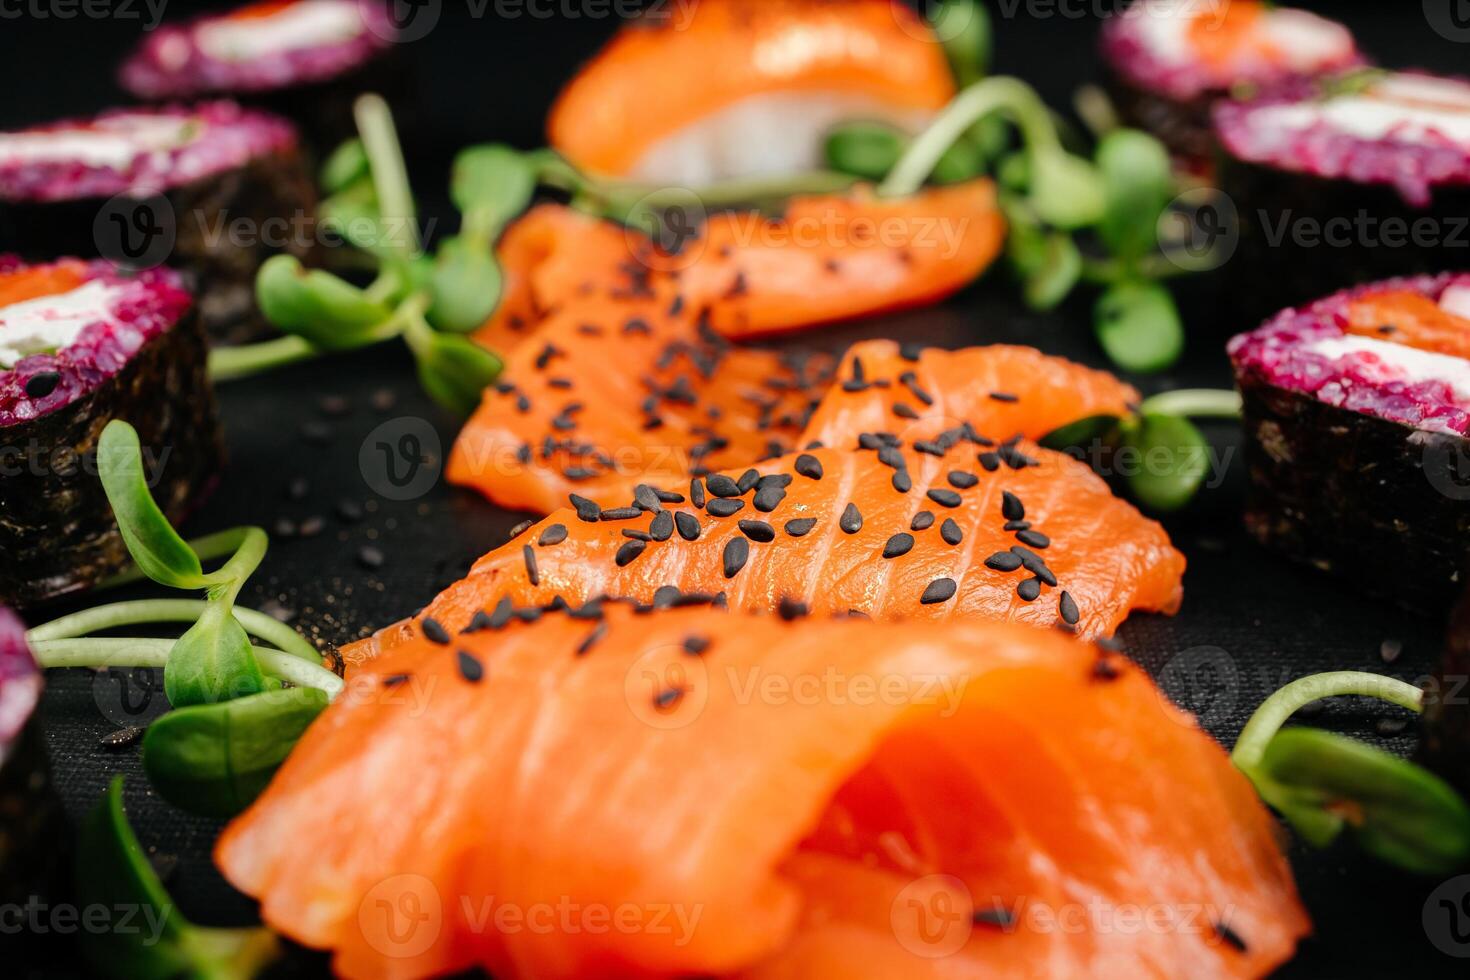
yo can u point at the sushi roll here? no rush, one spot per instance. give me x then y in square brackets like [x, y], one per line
[1345, 179]
[1446, 745]
[213, 190]
[30, 815]
[1168, 61]
[82, 343]
[305, 59]
[1357, 410]
[723, 89]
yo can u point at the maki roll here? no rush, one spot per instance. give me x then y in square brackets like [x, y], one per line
[1168, 61]
[1447, 705]
[82, 343]
[305, 59]
[212, 189]
[30, 815]
[1345, 179]
[1357, 410]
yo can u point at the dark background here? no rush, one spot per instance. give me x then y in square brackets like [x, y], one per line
[1250, 622]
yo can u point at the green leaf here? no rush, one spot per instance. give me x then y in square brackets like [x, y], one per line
[151, 540]
[1082, 433]
[865, 149]
[1172, 462]
[465, 285]
[347, 165]
[156, 942]
[454, 370]
[1138, 325]
[961, 162]
[216, 759]
[1397, 811]
[353, 214]
[213, 661]
[1065, 190]
[963, 28]
[1139, 182]
[318, 306]
[1057, 270]
[490, 185]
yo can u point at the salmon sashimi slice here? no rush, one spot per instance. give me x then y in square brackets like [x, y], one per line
[1006, 533]
[1403, 316]
[825, 258]
[714, 89]
[614, 793]
[917, 392]
[607, 396]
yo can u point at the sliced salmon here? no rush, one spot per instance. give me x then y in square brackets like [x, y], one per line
[703, 90]
[1404, 316]
[1006, 533]
[917, 392]
[689, 793]
[610, 395]
[825, 258]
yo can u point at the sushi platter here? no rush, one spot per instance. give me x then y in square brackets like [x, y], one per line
[751, 488]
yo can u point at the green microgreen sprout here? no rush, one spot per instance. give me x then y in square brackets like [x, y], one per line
[431, 301]
[114, 873]
[238, 705]
[1324, 784]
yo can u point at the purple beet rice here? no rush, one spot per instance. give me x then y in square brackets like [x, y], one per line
[175, 62]
[218, 137]
[1278, 354]
[148, 304]
[1415, 167]
[20, 681]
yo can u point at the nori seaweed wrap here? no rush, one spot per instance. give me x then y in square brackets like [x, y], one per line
[1169, 61]
[304, 59]
[1343, 180]
[1356, 414]
[213, 190]
[1446, 745]
[30, 814]
[82, 343]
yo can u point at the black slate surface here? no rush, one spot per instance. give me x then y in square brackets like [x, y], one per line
[1250, 622]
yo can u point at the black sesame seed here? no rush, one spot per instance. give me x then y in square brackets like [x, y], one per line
[661, 528]
[504, 609]
[555, 534]
[950, 532]
[435, 632]
[688, 526]
[1003, 561]
[396, 680]
[758, 531]
[1018, 525]
[666, 700]
[669, 496]
[768, 499]
[904, 411]
[902, 481]
[621, 513]
[910, 352]
[944, 498]
[587, 510]
[1029, 590]
[779, 481]
[1011, 507]
[748, 480]
[961, 480]
[1067, 606]
[628, 552]
[991, 461]
[696, 492]
[899, 544]
[43, 383]
[665, 596]
[851, 520]
[801, 526]
[590, 640]
[995, 916]
[1033, 538]
[737, 552]
[869, 441]
[722, 486]
[791, 609]
[636, 535]
[696, 645]
[724, 507]
[809, 466]
[479, 621]
[1004, 396]
[922, 521]
[121, 738]
[1230, 937]
[647, 498]
[470, 667]
[890, 456]
[928, 447]
[939, 590]
[521, 528]
[532, 572]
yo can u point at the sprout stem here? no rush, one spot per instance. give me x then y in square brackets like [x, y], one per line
[1200, 403]
[134, 613]
[390, 173]
[232, 363]
[1250, 748]
[126, 652]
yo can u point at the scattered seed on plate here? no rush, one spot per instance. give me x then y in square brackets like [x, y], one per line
[696, 645]
[961, 480]
[809, 466]
[1033, 538]
[922, 521]
[722, 486]
[748, 479]
[532, 572]
[898, 545]
[944, 498]
[724, 506]
[790, 609]
[852, 519]
[950, 532]
[1029, 590]
[555, 534]
[120, 739]
[628, 553]
[661, 528]
[687, 525]
[758, 531]
[696, 492]
[1067, 606]
[647, 498]
[591, 639]
[768, 499]
[1011, 507]
[991, 461]
[1003, 561]
[801, 526]
[939, 590]
[622, 513]
[587, 510]
[737, 552]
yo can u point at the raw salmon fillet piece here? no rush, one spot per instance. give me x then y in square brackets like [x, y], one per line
[607, 396]
[693, 793]
[1039, 539]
